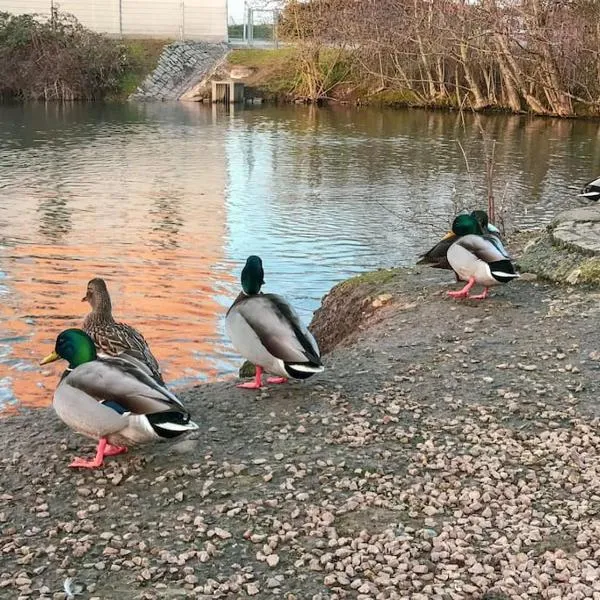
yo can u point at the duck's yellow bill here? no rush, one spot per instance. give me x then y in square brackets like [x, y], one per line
[449, 235]
[50, 358]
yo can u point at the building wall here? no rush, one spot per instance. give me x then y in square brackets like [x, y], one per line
[187, 19]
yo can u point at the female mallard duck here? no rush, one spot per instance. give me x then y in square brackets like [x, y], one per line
[477, 258]
[113, 338]
[437, 256]
[266, 330]
[112, 400]
[591, 190]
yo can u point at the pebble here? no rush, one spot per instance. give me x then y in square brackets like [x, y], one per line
[252, 589]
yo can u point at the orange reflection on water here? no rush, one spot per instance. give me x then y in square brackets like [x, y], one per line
[166, 293]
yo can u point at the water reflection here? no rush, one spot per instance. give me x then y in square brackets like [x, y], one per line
[166, 201]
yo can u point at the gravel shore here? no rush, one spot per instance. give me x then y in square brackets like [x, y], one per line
[450, 451]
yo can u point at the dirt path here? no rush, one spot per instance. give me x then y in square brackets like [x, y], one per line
[449, 451]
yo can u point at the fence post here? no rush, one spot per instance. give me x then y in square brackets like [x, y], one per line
[245, 31]
[250, 27]
[121, 18]
[182, 26]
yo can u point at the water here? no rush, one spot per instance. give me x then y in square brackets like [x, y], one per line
[165, 201]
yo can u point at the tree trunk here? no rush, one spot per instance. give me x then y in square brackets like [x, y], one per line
[478, 99]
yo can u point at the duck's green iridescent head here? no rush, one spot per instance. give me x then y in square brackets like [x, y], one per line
[466, 225]
[253, 275]
[75, 346]
[482, 218]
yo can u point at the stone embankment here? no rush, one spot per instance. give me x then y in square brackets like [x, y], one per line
[181, 66]
[569, 251]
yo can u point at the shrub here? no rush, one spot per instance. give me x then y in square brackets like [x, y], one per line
[57, 59]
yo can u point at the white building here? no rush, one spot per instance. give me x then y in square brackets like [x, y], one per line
[174, 19]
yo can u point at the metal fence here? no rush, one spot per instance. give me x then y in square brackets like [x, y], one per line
[183, 19]
[259, 28]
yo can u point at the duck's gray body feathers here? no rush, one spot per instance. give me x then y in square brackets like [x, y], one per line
[114, 399]
[266, 330]
[481, 257]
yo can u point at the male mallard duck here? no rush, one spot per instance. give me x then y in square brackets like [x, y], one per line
[112, 338]
[112, 400]
[484, 221]
[437, 256]
[477, 258]
[591, 190]
[266, 330]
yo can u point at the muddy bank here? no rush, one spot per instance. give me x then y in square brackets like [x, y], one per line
[450, 450]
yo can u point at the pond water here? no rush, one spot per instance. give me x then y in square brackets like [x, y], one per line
[165, 201]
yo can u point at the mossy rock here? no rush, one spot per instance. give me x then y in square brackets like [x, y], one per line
[559, 263]
[379, 277]
[247, 370]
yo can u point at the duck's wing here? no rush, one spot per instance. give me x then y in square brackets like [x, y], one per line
[121, 381]
[436, 256]
[486, 248]
[114, 339]
[496, 240]
[279, 328]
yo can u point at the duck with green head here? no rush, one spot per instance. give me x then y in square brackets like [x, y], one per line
[437, 258]
[477, 258]
[266, 330]
[112, 400]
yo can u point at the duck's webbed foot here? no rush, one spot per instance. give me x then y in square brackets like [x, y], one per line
[111, 450]
[464, 293]
[256, 384]
[481, 296]
[97, 460]
[277, 380]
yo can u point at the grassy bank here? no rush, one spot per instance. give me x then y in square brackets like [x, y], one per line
[141, 59]
[289, 74]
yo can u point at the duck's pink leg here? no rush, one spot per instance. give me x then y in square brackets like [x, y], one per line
[481, 296]
[464, 293]
[253, 385]
[96, 462]
[277, 380]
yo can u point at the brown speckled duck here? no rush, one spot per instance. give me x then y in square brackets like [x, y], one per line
[113, 338]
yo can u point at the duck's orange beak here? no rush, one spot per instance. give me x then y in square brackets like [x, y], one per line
[449, 235]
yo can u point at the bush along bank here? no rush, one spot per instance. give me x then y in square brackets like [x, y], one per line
[57, 58]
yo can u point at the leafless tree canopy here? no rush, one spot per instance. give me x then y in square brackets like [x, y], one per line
[541, 56]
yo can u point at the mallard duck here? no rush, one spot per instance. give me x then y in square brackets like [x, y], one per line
[112, 400]
[477, 258]
[437, 256]
[591, 190]
[266, 330]
[113, 338]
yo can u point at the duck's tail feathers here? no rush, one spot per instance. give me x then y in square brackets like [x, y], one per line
[591, 195]
[503, 270]
[303, 370]
[171, 423]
